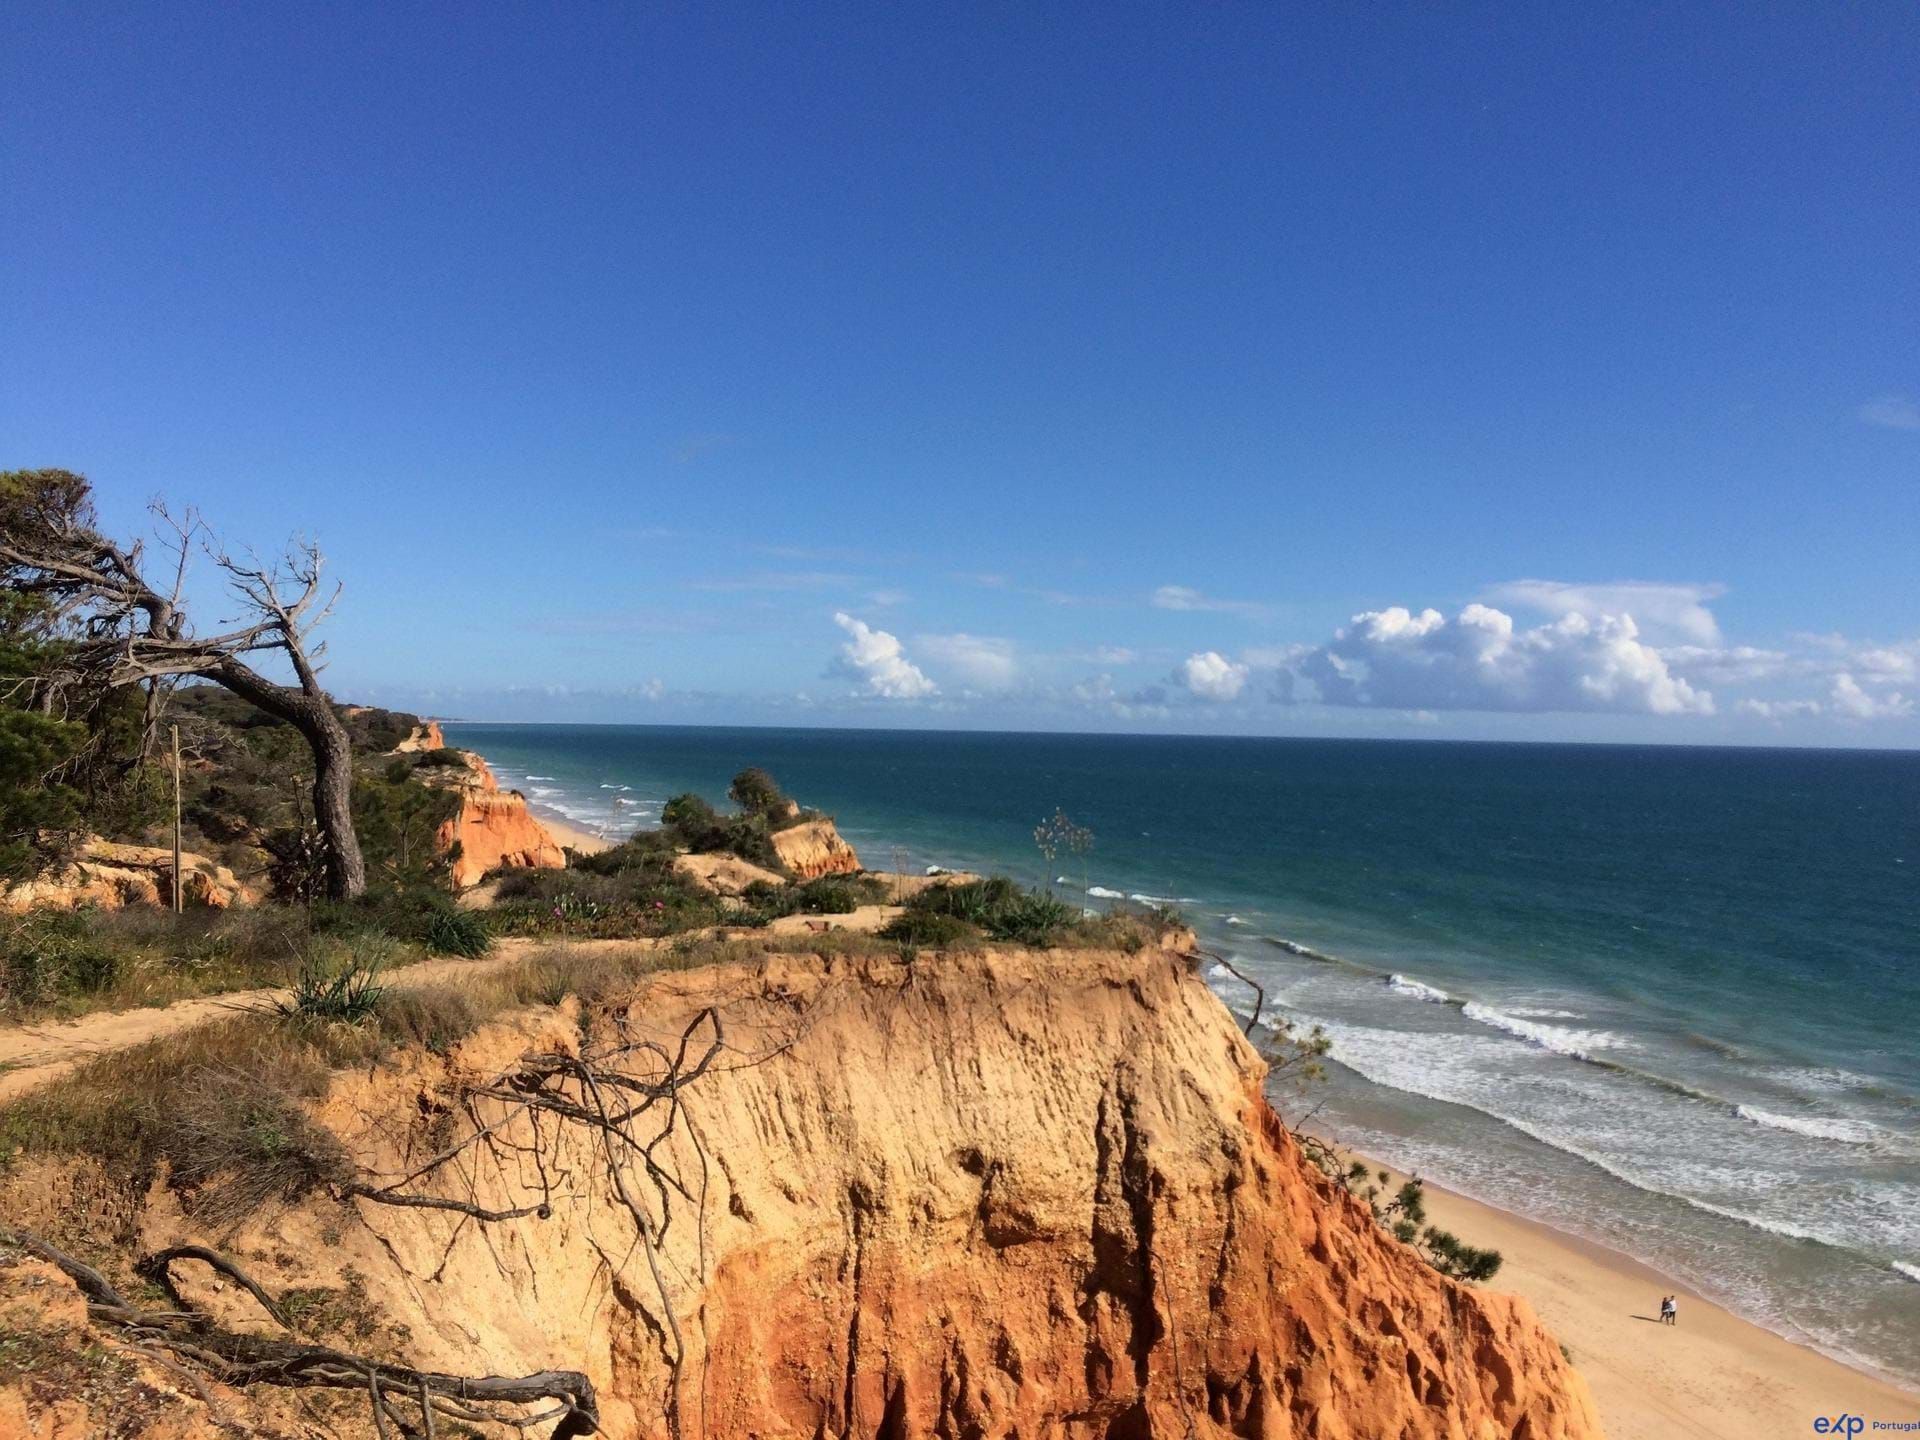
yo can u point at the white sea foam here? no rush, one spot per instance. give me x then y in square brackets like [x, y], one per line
[1416, 989]
[1579, 1044]
[1100, 892]
[1140, 899]
[539, 777]
[1235, 920]
[1912, 1272]
[1063, 880]
[1526, 1012]
[1820, 1127]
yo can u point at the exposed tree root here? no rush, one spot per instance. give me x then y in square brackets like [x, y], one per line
[241, 1360]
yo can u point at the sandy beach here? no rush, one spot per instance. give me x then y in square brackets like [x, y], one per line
[1713, 1374]
[572, 836]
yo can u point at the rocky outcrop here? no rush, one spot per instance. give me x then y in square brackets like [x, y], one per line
[492, 827]
[1033, 1194]
[814, 848]
[426, 736]
[725, 874]
[109, 876]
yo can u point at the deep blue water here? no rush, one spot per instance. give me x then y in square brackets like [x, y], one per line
[1666, 998]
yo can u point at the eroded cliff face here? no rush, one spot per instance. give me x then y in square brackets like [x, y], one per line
[814, 848]
[1033, 1194]
[493, 827]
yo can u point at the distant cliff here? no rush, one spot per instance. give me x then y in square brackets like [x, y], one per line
[492, 827]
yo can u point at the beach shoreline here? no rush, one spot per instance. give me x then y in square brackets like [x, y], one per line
[571, 834]
[1713, 1374]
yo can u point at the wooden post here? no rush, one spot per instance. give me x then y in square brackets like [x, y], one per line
[179, 880]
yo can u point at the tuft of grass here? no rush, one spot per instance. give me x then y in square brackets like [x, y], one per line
[331, 987]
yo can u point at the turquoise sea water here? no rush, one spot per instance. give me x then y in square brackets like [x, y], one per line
[1665, 998]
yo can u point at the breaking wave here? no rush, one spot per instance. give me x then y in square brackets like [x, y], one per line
[1579, 1044]
[1416, 989]
[1820, 1127]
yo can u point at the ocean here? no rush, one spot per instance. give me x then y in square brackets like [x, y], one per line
[1664, 998]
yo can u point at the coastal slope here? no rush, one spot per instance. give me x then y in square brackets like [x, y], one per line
[1011, 1192]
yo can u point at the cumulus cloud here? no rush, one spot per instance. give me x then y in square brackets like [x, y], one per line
[877, 660]
[1479, 661]
[1185, 598]
[981, 661]
[1894, 412]
[1211, 676]
[1853, 701]
[1662, 610]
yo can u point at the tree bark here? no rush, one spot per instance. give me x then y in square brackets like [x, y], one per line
[311, 713]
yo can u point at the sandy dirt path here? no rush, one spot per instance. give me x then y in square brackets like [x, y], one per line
[32, 1055]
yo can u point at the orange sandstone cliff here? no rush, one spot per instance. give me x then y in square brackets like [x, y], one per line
[492, 827]
[1032, 1194]
[814, 848]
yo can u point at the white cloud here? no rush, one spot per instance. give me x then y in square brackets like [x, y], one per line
[1663, 611]
[1478, 661]
[1183, 597]
[1894, 412]
[1114, 655]
[875, 657]
[1779, 709]
[653, 689]
[1855, 703]
[1726, 665]
[982, 661]
[1212, 676]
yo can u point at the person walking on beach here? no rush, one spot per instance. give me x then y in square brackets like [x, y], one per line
[1669, 1310]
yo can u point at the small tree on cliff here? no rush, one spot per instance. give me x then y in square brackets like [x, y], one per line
[121, 630]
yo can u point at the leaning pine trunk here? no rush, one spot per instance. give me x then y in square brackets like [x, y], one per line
[333, 806]
[310, 712]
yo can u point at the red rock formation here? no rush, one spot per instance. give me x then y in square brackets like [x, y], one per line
[814, 848]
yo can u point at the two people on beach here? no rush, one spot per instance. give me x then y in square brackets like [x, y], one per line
[1669, 1310]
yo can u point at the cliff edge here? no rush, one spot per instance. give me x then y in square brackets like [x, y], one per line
[1012, 1193]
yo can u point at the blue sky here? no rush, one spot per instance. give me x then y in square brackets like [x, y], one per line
[1098, 364]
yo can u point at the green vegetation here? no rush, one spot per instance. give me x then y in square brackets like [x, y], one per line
[66, 963]
[629, 891]
[689, 821]
[1000, 910]
[332, 987]
[1403, 1214]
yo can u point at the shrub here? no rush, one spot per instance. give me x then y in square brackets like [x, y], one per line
[689, 817]
[1450, 1256]
[757, 793]
[427, 918]
[1002, 909]
[446, 755]
[920, 927]
[332, 986]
